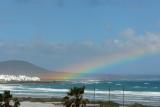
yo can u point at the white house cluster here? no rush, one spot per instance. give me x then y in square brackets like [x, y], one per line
[18, 78]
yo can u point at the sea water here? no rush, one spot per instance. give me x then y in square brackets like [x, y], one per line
[145, 92]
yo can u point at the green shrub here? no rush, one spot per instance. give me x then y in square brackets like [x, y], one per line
[136, 105]
[5, 99]
[109, 104]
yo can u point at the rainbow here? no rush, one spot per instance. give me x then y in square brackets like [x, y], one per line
[77, 71]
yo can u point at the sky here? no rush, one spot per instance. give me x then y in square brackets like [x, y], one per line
[56, 34]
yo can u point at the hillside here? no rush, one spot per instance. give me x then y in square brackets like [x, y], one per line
[18, 67]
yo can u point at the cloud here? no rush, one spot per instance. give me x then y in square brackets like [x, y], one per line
[64, 54]
[90, 3]
[128, 32]
[116, 3]
[130, 40]
[95, 3]
[127, 40]
[23, 1]
[51, 49]
[60, 3]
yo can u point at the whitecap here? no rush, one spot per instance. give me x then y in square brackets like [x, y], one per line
[146, 83]
[118, 84]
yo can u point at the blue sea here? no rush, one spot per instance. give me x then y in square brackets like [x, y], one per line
[145, 92]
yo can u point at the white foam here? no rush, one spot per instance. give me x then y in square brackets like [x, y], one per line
[19, 88]
[127, 93]
[118, 84]
[109, 82]
[146, 83]
[6, 87]
[137, 86]
[86, 81]
[48, 90]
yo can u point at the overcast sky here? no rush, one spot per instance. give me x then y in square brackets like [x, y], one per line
[56, 34]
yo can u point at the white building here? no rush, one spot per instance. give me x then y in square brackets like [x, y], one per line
[18, 78]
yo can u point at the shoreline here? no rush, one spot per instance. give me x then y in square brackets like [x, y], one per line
[83, 80]
[58, 102]
[50, 104]
[50, 91]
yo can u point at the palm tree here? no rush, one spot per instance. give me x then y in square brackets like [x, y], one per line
[84, 102]
[7, 97]
[16, 102]
[1, 99]
[74, 97]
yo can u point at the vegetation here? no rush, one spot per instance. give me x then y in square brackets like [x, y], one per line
[16, 102]
[109, 104]
[6, 98]
[74, 97]
[137, 105]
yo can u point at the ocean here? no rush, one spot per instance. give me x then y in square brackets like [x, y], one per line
[145, 92]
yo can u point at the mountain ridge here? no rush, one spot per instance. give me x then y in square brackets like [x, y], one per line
[20, 67]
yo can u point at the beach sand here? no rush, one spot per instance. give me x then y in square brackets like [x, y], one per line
[39, 104]
[49, 104]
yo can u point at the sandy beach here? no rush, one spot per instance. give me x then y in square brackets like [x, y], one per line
[39, 104]
[48, 104]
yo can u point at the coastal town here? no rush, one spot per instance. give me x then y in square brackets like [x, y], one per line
[7, 78]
